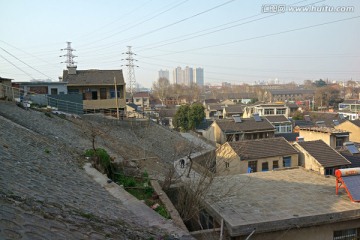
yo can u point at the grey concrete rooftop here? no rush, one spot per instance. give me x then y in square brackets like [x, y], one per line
[277, 200]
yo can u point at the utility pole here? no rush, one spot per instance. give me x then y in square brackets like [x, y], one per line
[131, 81]
[116, 99]
[69, 55]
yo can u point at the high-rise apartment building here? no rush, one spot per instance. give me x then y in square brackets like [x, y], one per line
[164, 74]
[188, 76]
[198, 76]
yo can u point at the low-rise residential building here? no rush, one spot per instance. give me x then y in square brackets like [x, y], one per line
[320, 157]
[281, 123]
[97, 88]
[353, 127]
[39, 87]
[214, 111]
[286, 95]
[335, 138]
[292, 204]
[255, 156]
[237, 129]
[352, 105]
[267, 109]
[142, 100]
[229, 111]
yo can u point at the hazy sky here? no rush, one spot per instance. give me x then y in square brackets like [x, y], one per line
[234, 41]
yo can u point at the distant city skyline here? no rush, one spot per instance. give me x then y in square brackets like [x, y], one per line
[188, 76]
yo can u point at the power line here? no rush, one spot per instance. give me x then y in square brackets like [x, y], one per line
[25, 63]
[191, 35]
[17, 67]
[168, 25]
[262, 36]
[139, 23]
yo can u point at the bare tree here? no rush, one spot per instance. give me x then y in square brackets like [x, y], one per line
[161, 88]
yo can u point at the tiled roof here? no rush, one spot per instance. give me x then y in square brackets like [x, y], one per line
[240, 95]
[277, 118]
[291, 137]
[303, 123]
[204, 125]
[234, 109]
[217, 107]
[289, 91]
[356, 122]
[327, 117]
[262, 148]
[167, 113]
[353, 158]
[208, 101]
[134, 106]
[93, 77]
[292, 105]
[324, 154]
[246, 125]
[141, 95]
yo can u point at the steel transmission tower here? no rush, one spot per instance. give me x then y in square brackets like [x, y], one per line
[131, 81]
[69, 55]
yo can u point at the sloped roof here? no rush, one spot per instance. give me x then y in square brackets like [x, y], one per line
[234, 109]
[93, 77]
[277, 118]
[327, 117]
[141, 95]
[217, 107]
[133, 105]
[204, 124]
[353, 158]
[324, 154]
[291, 137]
[167, 112]
[303, 123]
[211, 100]
[262, 148]
[241, 95]
[356, 122]
[246, 125]
[291, 91]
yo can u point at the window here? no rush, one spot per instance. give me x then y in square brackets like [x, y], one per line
[268, 111]
[347, 234]
[287, 161]
[329, 171]
[339, 141]
[252, 166]
[227, 164]
[280, 111]
[112, 93]
[275, 164]
[137, 100]
[94, 95]
[102, 93]
[54, 91]
[265, 166]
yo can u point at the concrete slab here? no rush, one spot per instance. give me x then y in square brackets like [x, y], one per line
[271, 201]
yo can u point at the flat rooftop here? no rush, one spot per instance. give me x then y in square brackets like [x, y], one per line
[278, 200]
[323, 130]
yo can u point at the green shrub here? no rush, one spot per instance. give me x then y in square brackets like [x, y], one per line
[163, 212]
[103, 156]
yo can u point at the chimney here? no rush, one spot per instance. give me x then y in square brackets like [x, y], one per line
[71, 70]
